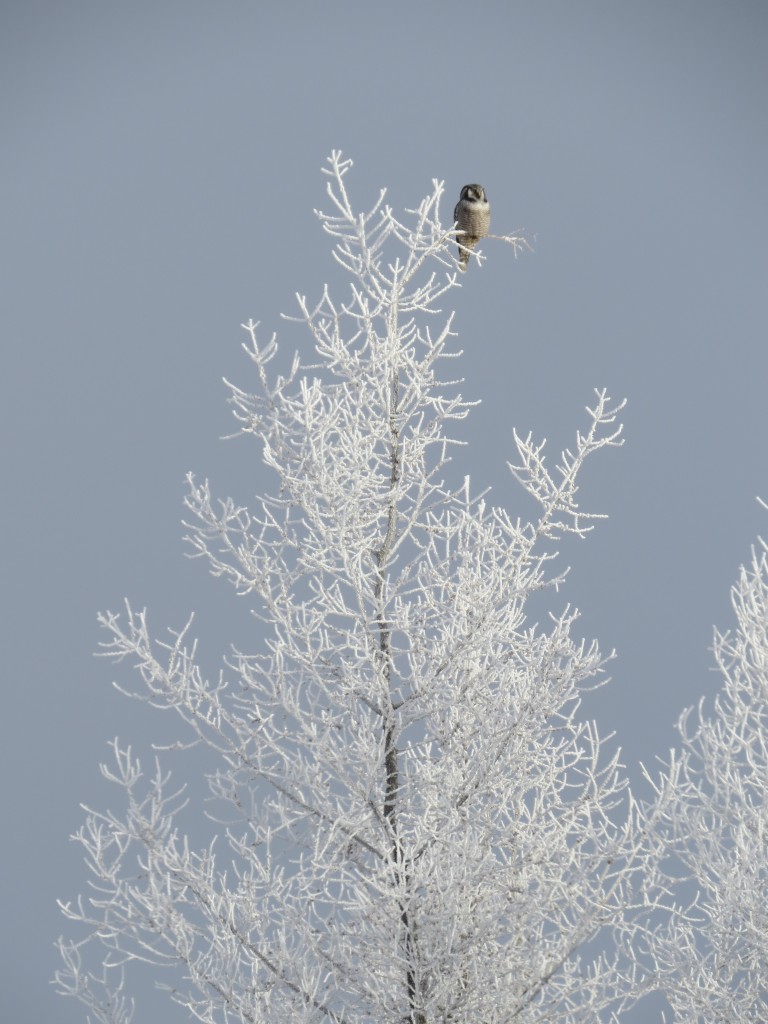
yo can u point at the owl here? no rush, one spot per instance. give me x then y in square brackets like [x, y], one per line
[472, 216]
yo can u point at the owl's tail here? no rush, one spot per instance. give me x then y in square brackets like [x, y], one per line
[466, 244]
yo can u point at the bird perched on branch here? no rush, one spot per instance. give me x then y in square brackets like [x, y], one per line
[473, 217]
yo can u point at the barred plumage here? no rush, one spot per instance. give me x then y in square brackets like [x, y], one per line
[473, 217]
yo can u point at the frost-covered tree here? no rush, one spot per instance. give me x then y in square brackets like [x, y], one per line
[410, 821]
[713, 805]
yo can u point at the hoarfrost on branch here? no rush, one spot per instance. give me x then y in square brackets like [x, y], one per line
[411, 821]
[712, 807]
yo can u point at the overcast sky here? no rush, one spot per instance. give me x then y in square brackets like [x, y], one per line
[160, 163]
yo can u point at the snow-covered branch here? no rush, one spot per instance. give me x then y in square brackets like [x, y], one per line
[409, 821]
[712, 804]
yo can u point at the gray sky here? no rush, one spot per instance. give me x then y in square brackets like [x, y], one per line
[160, 164]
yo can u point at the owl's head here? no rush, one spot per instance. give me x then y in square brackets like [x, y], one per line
[473, 194]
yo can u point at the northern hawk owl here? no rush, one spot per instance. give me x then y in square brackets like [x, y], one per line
[473, 217]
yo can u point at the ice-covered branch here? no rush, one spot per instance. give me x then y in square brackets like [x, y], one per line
[408, 820]
[557, 495]
[712, 807]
